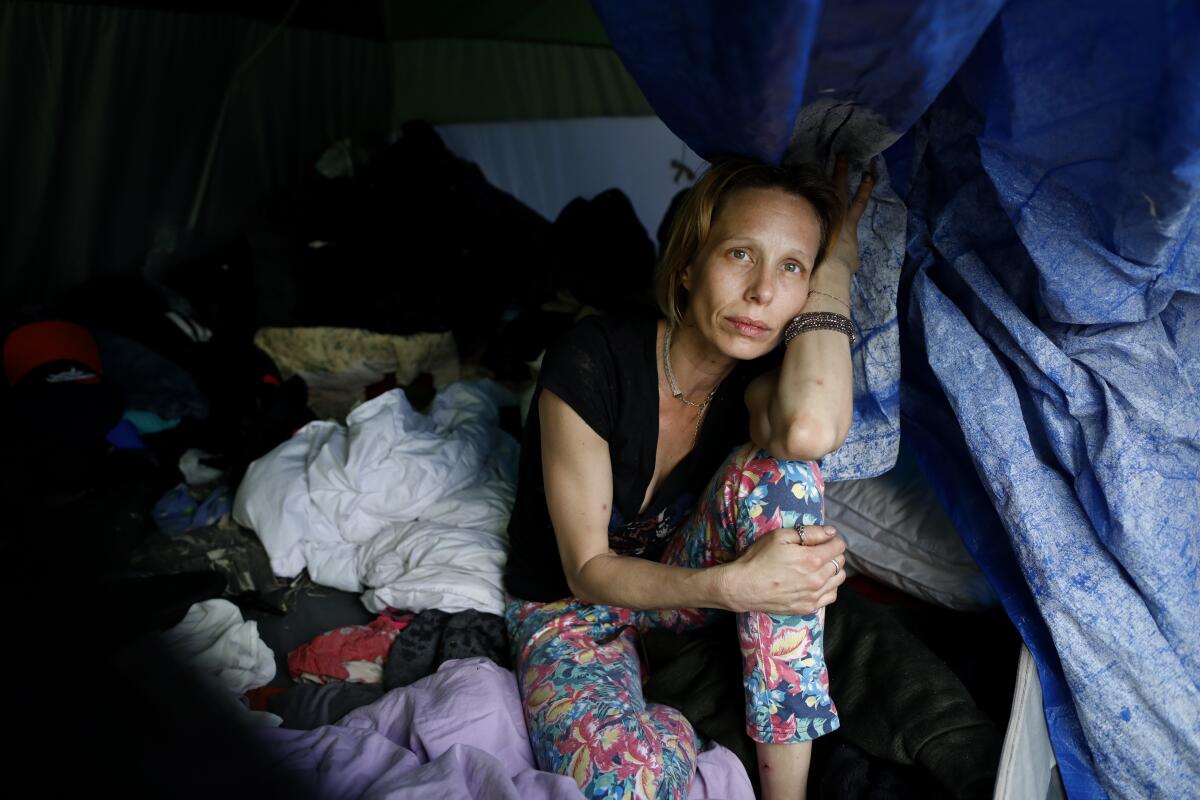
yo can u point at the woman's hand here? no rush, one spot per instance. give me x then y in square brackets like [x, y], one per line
[779, 575]
[844, 247]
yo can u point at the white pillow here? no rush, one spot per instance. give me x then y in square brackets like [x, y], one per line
[897, 532]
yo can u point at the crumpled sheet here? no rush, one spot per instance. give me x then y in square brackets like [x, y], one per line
[1048, 157]
[459, 733]
[411, 507]
[227, 653]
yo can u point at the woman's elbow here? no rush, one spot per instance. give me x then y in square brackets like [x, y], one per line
[580, 586]
[808, 440]
[581, 592]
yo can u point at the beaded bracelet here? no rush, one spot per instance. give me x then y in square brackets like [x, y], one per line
[817, 321]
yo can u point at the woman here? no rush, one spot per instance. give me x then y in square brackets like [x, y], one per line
[613, 531]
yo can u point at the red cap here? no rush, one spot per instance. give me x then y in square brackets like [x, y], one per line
[30, 346]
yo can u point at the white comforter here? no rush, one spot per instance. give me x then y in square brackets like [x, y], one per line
[227, 654]
[410, 507]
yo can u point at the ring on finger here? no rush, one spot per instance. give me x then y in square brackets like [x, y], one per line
[800, 531]
[836, 566]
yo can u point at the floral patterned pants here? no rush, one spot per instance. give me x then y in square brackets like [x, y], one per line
[578, 668]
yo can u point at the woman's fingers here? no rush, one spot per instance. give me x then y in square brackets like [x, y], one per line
[829, 574]
[841, 168]
[861, 197]
[827, 599]
[817, 534]
[831, 547]
[790, 535]
[801, 579]
[817, 599]
[841, 182]
[834, 579]
[813, 563]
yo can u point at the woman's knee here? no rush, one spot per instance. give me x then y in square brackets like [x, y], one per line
[784, 492]
[613, 752]
[751, 494]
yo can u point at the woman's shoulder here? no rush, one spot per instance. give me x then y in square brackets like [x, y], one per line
[622, 332]
[631, 319]
[599, 363]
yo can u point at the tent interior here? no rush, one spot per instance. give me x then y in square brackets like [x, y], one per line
[276, 278]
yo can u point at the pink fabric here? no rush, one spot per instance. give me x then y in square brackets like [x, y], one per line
[353, 653]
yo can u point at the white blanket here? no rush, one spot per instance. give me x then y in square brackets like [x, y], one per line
[227, 653]
[411, 507]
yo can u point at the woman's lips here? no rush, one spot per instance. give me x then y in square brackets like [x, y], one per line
[748, 327]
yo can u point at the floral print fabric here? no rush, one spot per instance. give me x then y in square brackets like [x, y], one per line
[578, 667]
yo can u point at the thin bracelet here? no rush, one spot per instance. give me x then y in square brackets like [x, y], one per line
[811, 292]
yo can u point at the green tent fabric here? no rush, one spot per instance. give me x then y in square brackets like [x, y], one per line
[141, 133]
[547, 21]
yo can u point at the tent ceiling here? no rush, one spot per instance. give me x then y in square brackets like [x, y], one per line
[547, 21]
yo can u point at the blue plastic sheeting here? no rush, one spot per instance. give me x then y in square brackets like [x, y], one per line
[722, 58]
[1046, 156]
[732, 80]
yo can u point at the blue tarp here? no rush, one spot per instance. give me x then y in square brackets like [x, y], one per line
[1033, 254]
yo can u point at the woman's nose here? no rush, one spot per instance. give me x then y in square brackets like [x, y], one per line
[760, 288]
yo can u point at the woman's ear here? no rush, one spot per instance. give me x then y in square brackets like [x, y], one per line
[686, 277]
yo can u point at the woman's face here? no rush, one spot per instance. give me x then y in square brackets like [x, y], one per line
[751, 275]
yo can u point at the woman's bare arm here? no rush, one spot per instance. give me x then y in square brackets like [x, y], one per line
[579, 490]
[802, 411]
[773, 575]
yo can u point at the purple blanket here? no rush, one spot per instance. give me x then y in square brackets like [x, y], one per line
[458, 733]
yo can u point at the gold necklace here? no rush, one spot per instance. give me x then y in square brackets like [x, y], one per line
[677, 393]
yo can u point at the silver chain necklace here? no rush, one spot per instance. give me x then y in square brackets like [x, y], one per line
[676, 392]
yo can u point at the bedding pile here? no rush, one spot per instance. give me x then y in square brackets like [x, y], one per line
[457, 733]
[411, 507]
[227, 652]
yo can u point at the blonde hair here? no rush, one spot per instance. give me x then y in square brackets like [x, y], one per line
[694, 219]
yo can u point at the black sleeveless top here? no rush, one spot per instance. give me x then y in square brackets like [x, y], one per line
[606, 370]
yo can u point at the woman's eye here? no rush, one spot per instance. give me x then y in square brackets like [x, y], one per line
[739, 254]
[792, 266]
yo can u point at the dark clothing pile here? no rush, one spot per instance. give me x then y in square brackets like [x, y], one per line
[901, 705]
